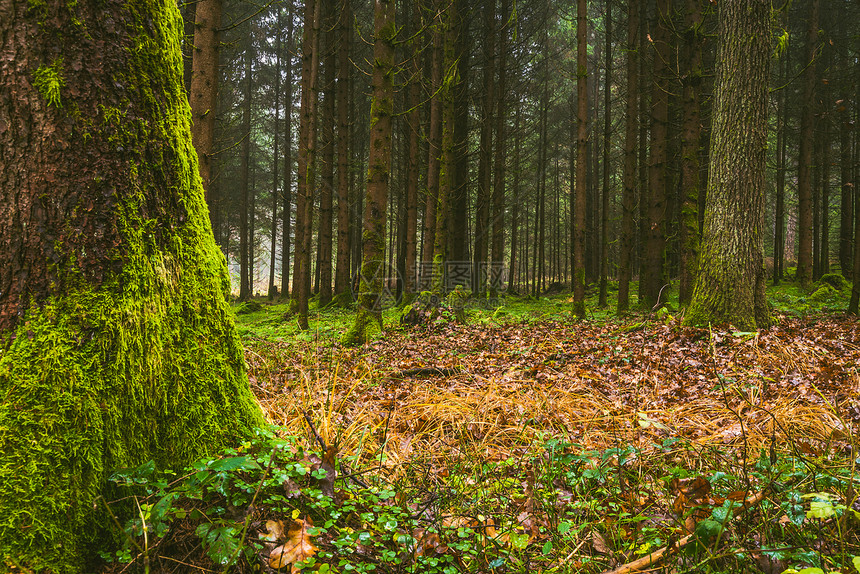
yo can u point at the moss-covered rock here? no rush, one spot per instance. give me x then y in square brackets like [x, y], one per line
[248, 307]
[835, 280]
[823, 294]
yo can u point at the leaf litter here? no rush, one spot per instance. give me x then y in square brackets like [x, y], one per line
[473, 426]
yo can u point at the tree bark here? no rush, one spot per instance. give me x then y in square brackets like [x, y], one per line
[327, 143]
[581, 141]
[118, 347]
[245, 287]
[628, 198]
[342, 284]
[433, 154]
[498, 212]
[307, 161]
[287, 210]
[691, 138]
[607, 134]
[804, 165]
[414, 129]
[652, 275]
[485, 148]
[276, 197]
[203, 90]
[730, 288]
[370, 298]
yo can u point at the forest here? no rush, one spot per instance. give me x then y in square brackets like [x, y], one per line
[435, 286]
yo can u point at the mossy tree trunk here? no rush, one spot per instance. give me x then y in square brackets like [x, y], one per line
[378, 171]
[116, 342]
[730, 288]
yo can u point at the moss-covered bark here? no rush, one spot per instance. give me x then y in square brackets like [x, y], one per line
[378, 170]
[117, 344]
[730, 287]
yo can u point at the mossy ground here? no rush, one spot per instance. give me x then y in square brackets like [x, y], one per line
[330, 323]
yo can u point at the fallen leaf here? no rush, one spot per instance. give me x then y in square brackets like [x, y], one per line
[298, 547]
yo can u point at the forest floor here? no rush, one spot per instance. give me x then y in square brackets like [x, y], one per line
[524, 440]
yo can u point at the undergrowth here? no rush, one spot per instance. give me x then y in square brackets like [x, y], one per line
[524, 441]
[273, 503]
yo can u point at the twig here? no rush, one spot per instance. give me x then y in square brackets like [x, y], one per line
[348, 473]
[657, 555]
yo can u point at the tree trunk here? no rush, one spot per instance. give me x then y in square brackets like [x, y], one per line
[653, 274]
[496, 269]
[414, 128]
[275, 159]
[245, 170]
[779, 216]
[581, 141]
[118, 346]
[607, 133]
[370, 298]
[203, 90]
[327, 155]
[307, 160]
[691, 138]
[342, 284]
[730, 288]
[628, 199]
[847, 201]
[804, 162]
[447, 164]
[485, 148]
[433, 157]
[288, 161]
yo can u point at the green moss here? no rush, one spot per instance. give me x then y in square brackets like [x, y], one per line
[49, 80]
[835, 280]
[144, 365]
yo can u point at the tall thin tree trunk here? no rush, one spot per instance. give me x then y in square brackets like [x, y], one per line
[691, 141]
[245, 174]
[327, 118]
[342, 271]
[628, 200]
[379, 168]
[433, 155]
[307, 160]
[607, 133]
[413, 126]
[515, 200]
[287, 211]
[275, 159]
[653, 273]
[779, 215]
[846, 199]
[804, 162]
[485, 149]
[581, 142]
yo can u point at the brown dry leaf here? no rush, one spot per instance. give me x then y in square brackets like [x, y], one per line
[274, 531]
[298, 547]
[599, 543]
